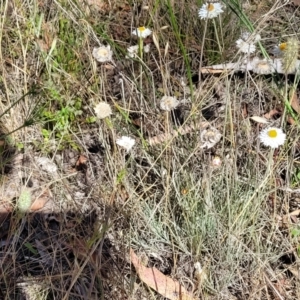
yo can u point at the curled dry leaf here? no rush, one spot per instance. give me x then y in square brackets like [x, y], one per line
[271, 113]
[165, 286]
[296, 2]
[295, 101]
[81, 161]
[259, 119]
[40, 201]
[290, 120]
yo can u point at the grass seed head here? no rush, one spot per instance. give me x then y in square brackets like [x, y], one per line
[24, 201]
[290, 54]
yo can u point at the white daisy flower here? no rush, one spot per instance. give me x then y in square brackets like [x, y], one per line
[168, 103]
[103, 53]
[279, 49]
[142, 32]
[262, 66]
[210, 10]
[102, 110]
[126, 142]
[272, 137]
[245, 47]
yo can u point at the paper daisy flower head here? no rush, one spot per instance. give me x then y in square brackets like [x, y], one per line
[102, 110]
[102, 53]
[168, 103]
[142, 32]
[126, 142]
[210, 10]
[262, 66]
[272, 137]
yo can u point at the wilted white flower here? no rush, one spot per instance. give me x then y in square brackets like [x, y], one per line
[245, 47]
[168, 103]
[210, 10]
[209, 137]
[272, 137]
[216, 162]
[132, 51]
[257, 38]
[126, 142]
[102, 53]
[147, 48]
[279, 49]
[102, 110]
[262, 66]
[142, 32]
[245, 35]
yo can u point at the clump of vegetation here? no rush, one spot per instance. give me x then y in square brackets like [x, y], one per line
[149, 150]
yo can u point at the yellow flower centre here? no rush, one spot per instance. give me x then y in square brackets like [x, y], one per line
[272, 133]
[210, 7]
[141, 29]
[102, 52]
[282, 46]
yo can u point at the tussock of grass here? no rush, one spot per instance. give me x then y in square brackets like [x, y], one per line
[165, 199]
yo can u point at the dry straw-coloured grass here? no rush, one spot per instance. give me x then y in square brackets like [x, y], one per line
[165, 199]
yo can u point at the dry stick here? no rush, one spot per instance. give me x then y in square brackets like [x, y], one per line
[161, 138]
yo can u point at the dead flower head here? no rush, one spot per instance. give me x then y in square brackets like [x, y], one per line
[102, 110]
[126, 142]
[168, 103]
[262, 66]
[103, 53]
[209, 137]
